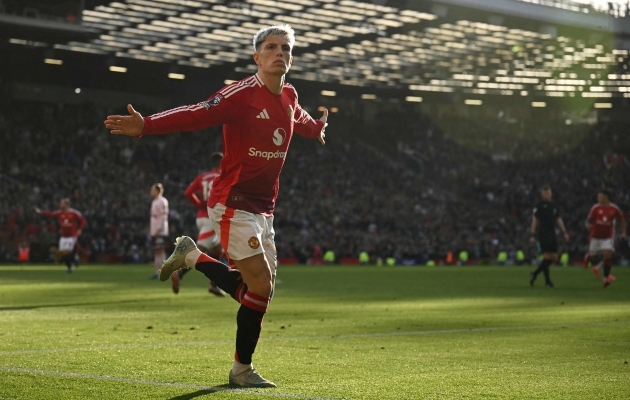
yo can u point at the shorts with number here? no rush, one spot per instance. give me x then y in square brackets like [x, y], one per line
[67, 243]
[243, 234]
[159, 242]
[597, 245]
[207, 236]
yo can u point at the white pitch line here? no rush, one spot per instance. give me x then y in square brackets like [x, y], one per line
[266, 392]
[301, 338]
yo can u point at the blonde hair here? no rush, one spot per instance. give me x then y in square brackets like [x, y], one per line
[159, 187]
[274, 30]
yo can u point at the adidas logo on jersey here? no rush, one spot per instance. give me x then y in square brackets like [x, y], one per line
[263, 114]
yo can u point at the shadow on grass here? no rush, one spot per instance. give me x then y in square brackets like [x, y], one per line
[203, 392]
[94, 303]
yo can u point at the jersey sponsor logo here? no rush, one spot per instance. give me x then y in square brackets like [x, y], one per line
[212, 102]
[253, 242]
[267, 154]
[279, 136]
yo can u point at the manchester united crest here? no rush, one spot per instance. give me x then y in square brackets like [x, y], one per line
[253, 242]
[290, 112]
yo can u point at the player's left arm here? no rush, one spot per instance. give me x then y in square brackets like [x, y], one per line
[306, 126]
[560, 224]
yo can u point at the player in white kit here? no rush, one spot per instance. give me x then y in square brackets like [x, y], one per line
[159, 226]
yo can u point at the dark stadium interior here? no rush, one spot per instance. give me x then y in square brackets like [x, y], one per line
[403, 179]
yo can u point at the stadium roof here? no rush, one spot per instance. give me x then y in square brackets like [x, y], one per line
[362, 44]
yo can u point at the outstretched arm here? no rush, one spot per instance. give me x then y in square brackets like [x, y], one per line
[305, 125]
[44, 212]
[214, 111]
[128, 125]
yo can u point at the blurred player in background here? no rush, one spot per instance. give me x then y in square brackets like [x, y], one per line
[601, 223]
[159, 226]
[207, 240]
[72, 224]
[543, 231]
[259, 115]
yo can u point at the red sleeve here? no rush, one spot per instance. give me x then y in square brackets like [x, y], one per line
[620, 215]
[305, 125]
[82, 220]
[217, 110]
[189, 193]
[590, 214]
[49, 213]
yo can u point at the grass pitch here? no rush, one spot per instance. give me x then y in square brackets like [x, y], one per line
[108, 332]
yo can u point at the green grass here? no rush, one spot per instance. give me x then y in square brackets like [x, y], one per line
[107, 332]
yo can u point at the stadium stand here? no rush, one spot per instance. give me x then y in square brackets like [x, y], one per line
[358, 193]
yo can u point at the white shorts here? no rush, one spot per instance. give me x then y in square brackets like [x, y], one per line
[243, 234]
[67, 243]
[207, 236]
[597, 245]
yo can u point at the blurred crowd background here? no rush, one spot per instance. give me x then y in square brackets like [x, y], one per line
[407, 188]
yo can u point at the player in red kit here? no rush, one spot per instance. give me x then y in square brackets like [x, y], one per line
[72, 224]
[601, 223]
[208, 242]
[259, 116]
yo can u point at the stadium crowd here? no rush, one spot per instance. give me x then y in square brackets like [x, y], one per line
[426, 195]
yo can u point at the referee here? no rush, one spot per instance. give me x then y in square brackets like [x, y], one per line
[546, 217]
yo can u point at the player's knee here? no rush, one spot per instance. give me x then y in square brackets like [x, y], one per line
[261, 284]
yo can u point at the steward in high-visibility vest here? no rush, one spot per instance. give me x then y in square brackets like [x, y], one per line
[564, 259]
[364, 258]
[520, 257]
[463, 257]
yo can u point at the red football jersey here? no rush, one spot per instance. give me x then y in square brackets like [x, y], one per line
[202, 184]
[602, 218]
[68, 221]
[257, 129]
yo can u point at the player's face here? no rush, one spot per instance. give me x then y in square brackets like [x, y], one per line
[274, 55]
[154, 192]
[546, 194]
[601, 198]
[63, 204]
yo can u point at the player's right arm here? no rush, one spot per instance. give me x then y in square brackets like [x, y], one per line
[589, 219]
[215, 111]
[45, 213]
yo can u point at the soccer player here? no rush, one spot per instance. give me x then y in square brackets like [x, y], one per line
[159, 226]
[600, 222]
[259, 115]
[207, 240]
[543, 229]
[72, 224]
